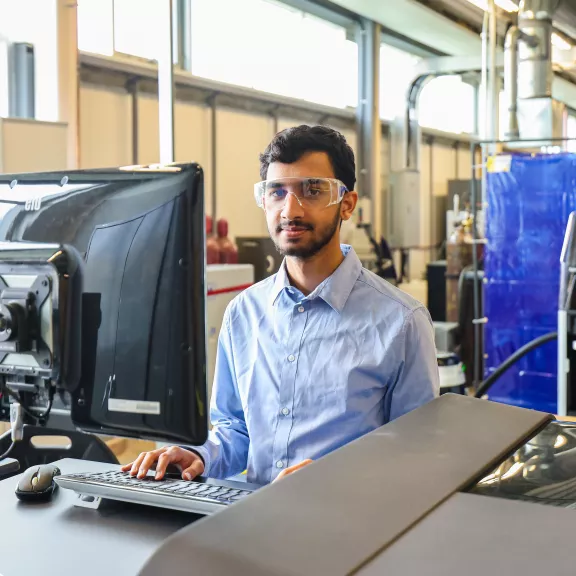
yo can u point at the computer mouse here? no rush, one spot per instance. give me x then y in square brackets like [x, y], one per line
[37, 483]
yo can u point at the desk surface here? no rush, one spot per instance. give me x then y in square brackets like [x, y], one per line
[116, 539]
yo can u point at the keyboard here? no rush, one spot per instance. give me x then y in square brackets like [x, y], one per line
[202, 496]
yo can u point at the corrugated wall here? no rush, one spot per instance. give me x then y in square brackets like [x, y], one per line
[106, 140]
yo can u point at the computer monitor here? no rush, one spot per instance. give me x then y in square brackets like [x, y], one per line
[139, 233]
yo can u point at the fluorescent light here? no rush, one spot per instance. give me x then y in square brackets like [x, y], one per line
[560, 43]
[507, 5]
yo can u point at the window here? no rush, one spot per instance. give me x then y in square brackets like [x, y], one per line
[397, 69]
[95, 26]
[448, 103]
[109, 26]
[136, 28]
[272, 47]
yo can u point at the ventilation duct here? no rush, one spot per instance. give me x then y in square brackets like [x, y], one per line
[528, 74]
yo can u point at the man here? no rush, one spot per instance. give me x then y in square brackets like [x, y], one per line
[319, 354]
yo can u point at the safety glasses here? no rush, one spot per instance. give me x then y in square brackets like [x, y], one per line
[312, 193]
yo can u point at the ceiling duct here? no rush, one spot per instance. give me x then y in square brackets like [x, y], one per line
[528, 73]
[535, 48]
[565, 17]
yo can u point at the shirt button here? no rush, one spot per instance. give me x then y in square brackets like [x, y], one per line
[301, 309]
[279, 464]
[285, 411]
[291, 358]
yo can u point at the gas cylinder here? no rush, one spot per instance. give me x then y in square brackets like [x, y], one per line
[212, 246]
[228, 250]
[458, 256]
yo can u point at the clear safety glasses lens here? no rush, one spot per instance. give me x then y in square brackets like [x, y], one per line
[310, 192]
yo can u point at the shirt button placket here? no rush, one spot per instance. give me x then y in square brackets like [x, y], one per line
[287, 389]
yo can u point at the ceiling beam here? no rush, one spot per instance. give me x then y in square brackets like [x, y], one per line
[419, 22]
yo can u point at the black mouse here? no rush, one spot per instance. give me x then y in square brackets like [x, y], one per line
[37, 483]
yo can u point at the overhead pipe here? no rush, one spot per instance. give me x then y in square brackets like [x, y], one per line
[492, 75]
[406, 127]
[484, 78]
[511, 80]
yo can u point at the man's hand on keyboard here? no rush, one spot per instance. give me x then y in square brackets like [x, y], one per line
[292, 469]
[189, 463]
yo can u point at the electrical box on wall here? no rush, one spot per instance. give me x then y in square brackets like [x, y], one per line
[405, 209]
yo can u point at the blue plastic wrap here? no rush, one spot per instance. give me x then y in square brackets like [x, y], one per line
[528, 208]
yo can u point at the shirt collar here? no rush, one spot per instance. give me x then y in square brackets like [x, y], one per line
[335, 290]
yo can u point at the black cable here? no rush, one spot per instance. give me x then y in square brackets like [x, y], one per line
[7, 453]
[42, 416]
[520, 353]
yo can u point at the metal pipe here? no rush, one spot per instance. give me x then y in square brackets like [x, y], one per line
[133, 90]
[369, 125]
[511, 80]
[492, 82]
[431, 238]
[213, 154]
[484, 80]
[405, 128]
[166, 86]
[184, 25]
[477, 336]
[412, 127]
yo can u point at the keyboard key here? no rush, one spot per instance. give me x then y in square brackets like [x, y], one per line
[236, 498]
[202, 488]
[195, 488]
[218, 494]
[211, 489]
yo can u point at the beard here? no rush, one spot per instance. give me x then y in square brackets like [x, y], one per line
[320, 238]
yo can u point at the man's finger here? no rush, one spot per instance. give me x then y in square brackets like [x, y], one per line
[136, 464]
[147, 463]
[126, 467]
[195, 469]
[163, 461]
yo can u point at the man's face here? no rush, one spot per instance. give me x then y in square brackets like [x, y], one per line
[303, 231]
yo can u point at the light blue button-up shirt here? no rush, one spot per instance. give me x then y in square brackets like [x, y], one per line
[300, 376]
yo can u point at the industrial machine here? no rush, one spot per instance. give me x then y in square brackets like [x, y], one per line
[259, 252]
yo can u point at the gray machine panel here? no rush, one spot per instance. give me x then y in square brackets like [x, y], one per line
[334, 515]
[478, 535]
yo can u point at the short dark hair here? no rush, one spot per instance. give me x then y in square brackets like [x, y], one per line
[291, 144]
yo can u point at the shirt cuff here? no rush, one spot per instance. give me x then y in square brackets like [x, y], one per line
[204, 453]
